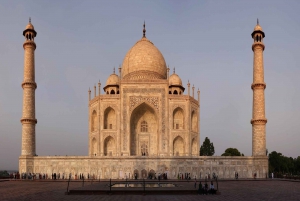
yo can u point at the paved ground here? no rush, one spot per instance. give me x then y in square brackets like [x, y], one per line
[230, 190]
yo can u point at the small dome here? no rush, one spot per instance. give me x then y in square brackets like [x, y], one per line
[113, 79]
[29, 26]
[174, 79]
[257, 28]
[144, 61]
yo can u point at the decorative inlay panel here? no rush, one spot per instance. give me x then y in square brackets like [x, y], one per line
[135, 100]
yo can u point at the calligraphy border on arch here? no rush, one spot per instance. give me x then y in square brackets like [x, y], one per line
[125, 112]
[135, 100]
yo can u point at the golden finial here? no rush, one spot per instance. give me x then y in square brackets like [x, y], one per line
[114, 70]
[257, 22]
[174, 70]
[30, 20]
[144, 30]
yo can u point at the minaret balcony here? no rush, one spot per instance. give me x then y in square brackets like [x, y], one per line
[29, 85]
[28, 121]
[259, 121]
[258, 86]
[29, 43]
[258, 44]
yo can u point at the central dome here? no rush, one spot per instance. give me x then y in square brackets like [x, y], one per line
[144, 61]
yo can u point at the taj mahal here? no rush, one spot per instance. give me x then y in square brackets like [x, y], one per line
[144, 121]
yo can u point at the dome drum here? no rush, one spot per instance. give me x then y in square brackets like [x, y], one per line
[143, 75]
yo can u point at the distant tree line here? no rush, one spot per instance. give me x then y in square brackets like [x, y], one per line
[278, 163]
[283, 165]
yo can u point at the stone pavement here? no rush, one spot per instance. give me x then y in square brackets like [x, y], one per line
[230, 190]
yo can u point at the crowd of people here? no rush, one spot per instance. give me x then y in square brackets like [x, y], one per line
[205, 189]
[186, 176]
[53, 176]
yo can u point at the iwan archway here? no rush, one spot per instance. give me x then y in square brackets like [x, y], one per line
[143, 131]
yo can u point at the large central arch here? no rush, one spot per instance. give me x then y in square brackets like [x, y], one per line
[143, 131]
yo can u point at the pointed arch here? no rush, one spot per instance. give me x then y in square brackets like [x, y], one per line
[178, 118]
[144, 173]
[109, 146]
[178, 146]
[194, 147]
[94, 120]
[175, 92]
[109, 118]
[112, 91]
[94, 147]
[194, 121]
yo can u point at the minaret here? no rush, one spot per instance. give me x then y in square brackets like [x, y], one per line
[28, 116]
[258, 86]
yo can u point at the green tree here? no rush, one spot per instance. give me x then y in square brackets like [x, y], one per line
[297, 165]
[283, 164]
[4, 173]
[207, 148]
[232, 152]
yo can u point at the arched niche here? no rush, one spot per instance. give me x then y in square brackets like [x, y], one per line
[194, 147]
[94, 147]
[143, 130]
[94, 121]
[109, 118]
[136, 174]
[178, 118]
[194, 122]
[144, 173]
[109, 146]
[178, 146]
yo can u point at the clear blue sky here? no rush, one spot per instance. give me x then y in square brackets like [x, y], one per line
[209, 43]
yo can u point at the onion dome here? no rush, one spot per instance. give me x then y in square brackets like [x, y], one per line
[144, 61]
[175, 80]
[113, 79]
[29, 27]
[258, 29]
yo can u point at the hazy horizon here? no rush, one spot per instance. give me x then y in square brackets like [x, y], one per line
[208, 42]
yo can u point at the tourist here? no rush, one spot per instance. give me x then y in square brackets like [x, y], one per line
[205, 189]
[200, 190]
[195, 185]
[212, 188]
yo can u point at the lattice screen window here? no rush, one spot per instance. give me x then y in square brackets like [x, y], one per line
[144, 126]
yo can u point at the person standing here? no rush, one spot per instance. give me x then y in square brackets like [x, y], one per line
[200, 191]
[212, 188]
